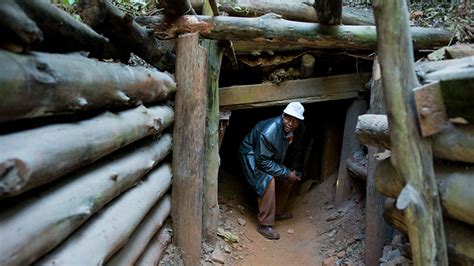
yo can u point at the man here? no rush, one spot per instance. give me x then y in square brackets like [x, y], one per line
[262, 154]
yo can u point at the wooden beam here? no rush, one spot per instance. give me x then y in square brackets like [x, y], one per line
[411, 154]
[349, 142]
[303, 90]
[271, 28]
[188, 147]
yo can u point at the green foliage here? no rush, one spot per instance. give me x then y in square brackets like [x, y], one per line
[136, 7]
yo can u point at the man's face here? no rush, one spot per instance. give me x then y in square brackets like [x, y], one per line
[290, 123]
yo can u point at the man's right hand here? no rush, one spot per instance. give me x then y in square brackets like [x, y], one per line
[294, 176]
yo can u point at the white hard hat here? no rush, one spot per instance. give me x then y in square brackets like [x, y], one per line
[295, 109]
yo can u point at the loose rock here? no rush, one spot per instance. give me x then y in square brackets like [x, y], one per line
[217, 256]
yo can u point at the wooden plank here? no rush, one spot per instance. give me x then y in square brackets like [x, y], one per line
[188, 147]
[349, 142]
[430, 109]
[303, 90]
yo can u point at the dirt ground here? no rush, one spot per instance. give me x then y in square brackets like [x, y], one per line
[318, 233]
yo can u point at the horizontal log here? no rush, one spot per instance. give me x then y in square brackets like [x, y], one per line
[63, 33]
[107, 232]
[303, 90]
[271, 29]
[424, 68]
[107, 19]
[291, 10]
[459, 236]
[41, 84]
[454, 183]
[30, 158]
[17, 29]
[156, 247]
[140, 239]
[455, 142]
[45, 219]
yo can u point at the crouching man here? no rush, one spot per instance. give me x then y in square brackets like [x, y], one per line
[262, 154]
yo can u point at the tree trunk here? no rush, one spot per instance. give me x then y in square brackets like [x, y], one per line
[44, 84]
[459, 236]
[63, 33]
[455, 184]
[138, 242]
[411, 154]
[30, 158]
[18, 31]
[108, 231]
[107, 19]
[272, 29]
[210, 212]
[377, 231]
[155, 249]
[45, 219]
[349, 142]
[455, 142]
[291, 10]
[329, 11]
[188, 147]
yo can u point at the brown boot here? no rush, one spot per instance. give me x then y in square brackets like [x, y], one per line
[268, 232]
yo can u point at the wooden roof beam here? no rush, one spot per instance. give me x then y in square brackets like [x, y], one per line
[273, 29]
[303, 90]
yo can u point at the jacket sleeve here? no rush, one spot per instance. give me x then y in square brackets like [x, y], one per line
[264, 159]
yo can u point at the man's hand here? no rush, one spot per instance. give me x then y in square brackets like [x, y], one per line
[294, 176]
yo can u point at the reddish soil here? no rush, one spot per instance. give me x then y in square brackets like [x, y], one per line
[318, 232]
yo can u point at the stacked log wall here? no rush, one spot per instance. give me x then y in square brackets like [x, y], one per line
[85, 170]
[453, 163]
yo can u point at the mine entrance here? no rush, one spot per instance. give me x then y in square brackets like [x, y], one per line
[318, 229]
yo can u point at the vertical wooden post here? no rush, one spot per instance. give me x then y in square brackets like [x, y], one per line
[188, 146]
[411, 154]
[210, 212]
[349, 142]
[377, 231]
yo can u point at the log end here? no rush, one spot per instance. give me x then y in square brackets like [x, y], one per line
[13, 177]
